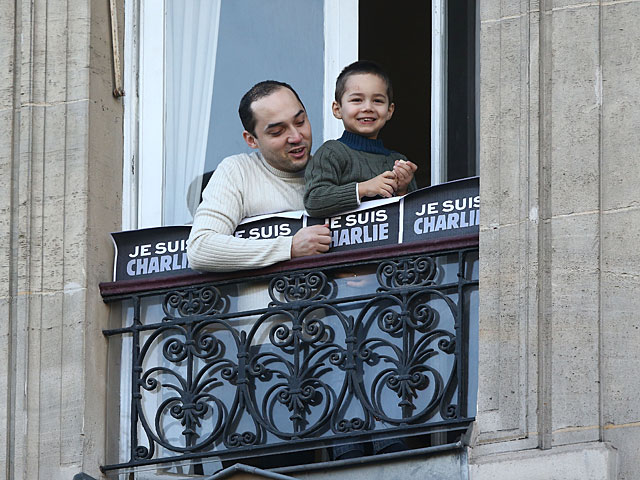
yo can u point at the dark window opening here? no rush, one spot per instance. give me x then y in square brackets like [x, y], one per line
[398, 37]
[461, 89]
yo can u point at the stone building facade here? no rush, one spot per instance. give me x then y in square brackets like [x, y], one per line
[559, 328]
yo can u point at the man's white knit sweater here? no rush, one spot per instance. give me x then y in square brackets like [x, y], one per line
[242, 186]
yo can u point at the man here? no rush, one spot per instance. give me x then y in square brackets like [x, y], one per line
[269, 180]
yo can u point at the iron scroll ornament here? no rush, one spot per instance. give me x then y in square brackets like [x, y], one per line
[321, 360]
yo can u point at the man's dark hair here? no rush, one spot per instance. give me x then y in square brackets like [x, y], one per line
[358, 68]
[258, 91]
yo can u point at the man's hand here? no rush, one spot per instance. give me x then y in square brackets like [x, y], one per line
[404, 173]
[310, 241]
[384, 185]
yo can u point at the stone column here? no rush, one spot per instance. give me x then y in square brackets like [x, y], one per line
[61, 161]
[559, 233]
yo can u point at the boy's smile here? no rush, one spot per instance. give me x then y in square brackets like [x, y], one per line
[364, 108]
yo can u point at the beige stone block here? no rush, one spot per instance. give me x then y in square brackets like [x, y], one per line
[6, 377]
[503, 350]
[513, 137]
[97, 368]
[575, 115]
[34, 66]
[489, 148]
[105, 184]
[508, 244]
[57, 45]
[23, 12]
[19, 372]
[47, 368]
[489, 311]
[29, 118]
[621, 107]
[52, 239]
[569, 5]
[100, 54]
[590, 461]
[5, 218]
[490, 11]
[620, 320]
[56, 403]
[574, 311]
[621, 232]
[30, 202]
[77, 133]
[105, 150]
[443, 466]
[6, 142]
[7, 56]
[60, 60]
[55, 135]
[626, 439]
[496, 10]
[30, 338]
[504, 122]
[74, 374]
[530, 166]
[77, 61]
[60, 183]
[74, 251]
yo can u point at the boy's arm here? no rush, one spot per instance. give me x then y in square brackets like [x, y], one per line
[324, 195]
[383, 185]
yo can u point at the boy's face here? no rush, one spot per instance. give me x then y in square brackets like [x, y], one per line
[364, 107]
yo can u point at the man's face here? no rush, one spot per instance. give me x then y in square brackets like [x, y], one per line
[283, 131]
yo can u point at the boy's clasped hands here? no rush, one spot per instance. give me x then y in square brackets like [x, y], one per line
[389, 183]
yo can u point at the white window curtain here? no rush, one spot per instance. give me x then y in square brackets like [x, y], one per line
[191, 45]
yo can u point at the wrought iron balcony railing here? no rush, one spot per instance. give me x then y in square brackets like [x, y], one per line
[300, 359]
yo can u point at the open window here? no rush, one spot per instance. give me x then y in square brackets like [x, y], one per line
[200, 57]
[428, 48]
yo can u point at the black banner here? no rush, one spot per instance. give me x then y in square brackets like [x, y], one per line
[364, 228]
[446, 210]
[160, 251]
[269, 227]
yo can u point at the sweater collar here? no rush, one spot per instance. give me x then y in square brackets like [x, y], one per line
[277, 172]
[363, 144]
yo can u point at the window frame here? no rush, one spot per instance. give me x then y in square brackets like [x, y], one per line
[438, 91]
[144, 122]
[143, 176]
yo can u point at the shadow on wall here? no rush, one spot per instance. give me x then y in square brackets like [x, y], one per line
[201, 182]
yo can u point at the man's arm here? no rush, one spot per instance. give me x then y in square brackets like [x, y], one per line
[212, 246]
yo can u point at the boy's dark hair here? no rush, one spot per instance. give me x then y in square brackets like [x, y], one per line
[258, 91]
[358, 68]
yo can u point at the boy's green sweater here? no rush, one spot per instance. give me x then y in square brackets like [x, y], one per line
[338, 166]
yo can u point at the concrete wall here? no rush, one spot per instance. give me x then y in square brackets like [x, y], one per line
[559, 271]
[60, 189]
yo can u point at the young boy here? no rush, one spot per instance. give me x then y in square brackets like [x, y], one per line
[357, 166]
